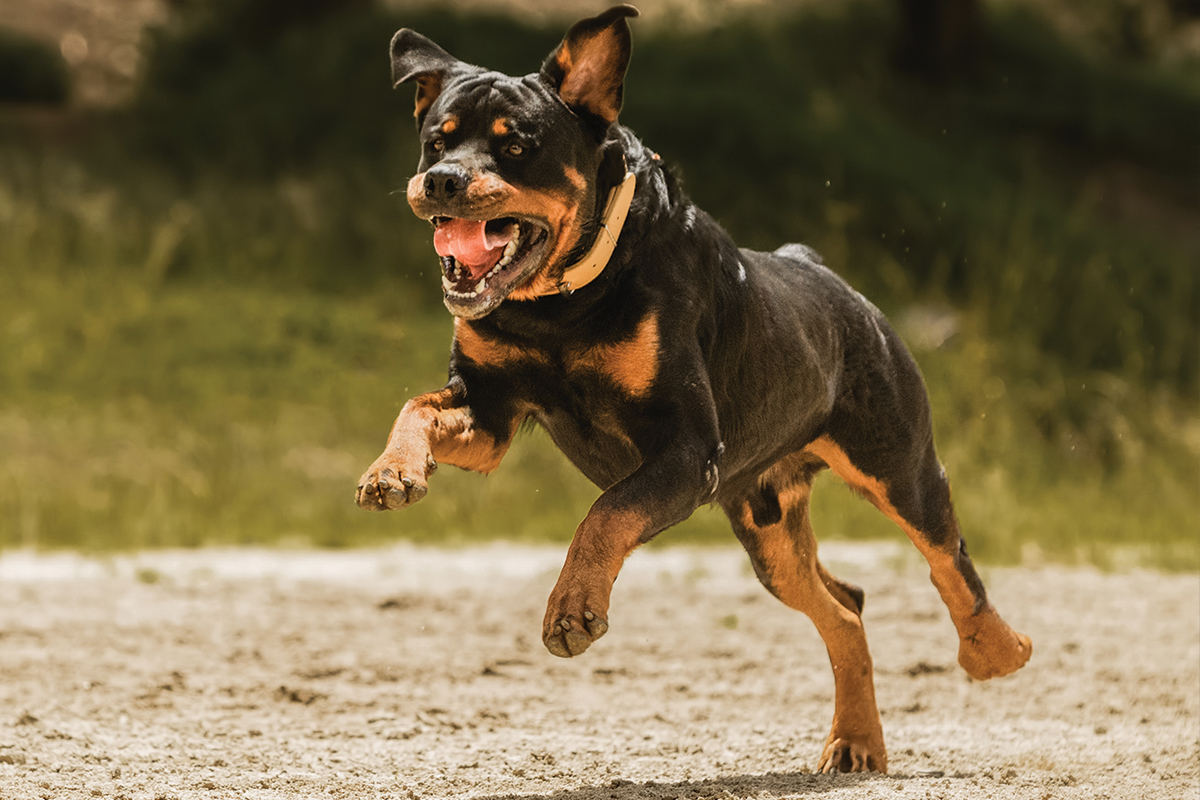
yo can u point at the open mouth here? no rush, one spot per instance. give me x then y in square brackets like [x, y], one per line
[484, 260]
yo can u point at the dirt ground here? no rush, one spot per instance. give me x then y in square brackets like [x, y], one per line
[419, 673]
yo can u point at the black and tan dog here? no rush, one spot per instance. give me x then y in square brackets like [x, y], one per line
[671, 367]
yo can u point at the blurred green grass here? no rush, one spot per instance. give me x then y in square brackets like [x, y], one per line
[200, 415]
[207, 345]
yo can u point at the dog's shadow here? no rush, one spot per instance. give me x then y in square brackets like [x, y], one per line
[733, 787]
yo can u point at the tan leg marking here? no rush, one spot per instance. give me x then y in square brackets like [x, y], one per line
[787, 551]
[988, 647]
[577, 611]
[432, 427]
[838, 589]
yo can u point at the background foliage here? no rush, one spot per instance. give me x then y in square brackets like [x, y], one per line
[214, 304]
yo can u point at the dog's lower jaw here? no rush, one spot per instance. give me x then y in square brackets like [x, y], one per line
[472, 299]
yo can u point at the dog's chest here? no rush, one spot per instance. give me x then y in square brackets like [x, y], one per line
[628, 366]
[587, 394]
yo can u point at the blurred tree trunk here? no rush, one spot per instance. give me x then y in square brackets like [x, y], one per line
[940, 39]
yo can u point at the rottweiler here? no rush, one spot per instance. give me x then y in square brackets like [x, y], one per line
[591, 296]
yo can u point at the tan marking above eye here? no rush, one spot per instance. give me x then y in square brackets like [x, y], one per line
[501, 126]
[942, 563]
[450, 125]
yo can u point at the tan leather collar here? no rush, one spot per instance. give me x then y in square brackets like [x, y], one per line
[584, 271]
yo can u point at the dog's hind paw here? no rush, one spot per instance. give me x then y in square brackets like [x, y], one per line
[989, 648]
[846, 755]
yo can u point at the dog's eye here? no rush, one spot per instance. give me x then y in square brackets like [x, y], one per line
[437, 144]
[515, 149]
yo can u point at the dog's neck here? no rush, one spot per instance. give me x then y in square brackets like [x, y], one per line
[656, 194]
[588, 268]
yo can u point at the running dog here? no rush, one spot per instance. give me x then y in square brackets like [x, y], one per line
[674, 369]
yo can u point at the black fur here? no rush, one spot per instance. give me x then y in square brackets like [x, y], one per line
[690, 371]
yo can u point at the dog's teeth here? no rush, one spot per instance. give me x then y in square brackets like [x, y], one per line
[447, 286]
[468, 295]
[511, 248]
[501, 264]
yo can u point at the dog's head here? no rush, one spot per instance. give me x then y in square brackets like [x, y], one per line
[509, 165]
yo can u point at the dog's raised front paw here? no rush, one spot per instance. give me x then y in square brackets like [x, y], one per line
[387, 485]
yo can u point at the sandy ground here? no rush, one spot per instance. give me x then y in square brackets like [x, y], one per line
[419, 673]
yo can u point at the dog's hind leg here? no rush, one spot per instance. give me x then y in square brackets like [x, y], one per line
[773, 525]
[847, 594]
[916, 496]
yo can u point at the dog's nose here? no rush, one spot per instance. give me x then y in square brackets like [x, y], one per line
[443, 181]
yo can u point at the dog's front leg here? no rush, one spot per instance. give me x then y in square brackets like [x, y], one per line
[664, 490]
[433, 427]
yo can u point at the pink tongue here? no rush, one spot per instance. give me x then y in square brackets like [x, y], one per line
[470, 244]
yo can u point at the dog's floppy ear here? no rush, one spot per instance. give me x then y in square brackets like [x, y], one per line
[588, 68]
[414, 56]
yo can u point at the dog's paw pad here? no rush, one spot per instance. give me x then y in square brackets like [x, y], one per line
[567, 637]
